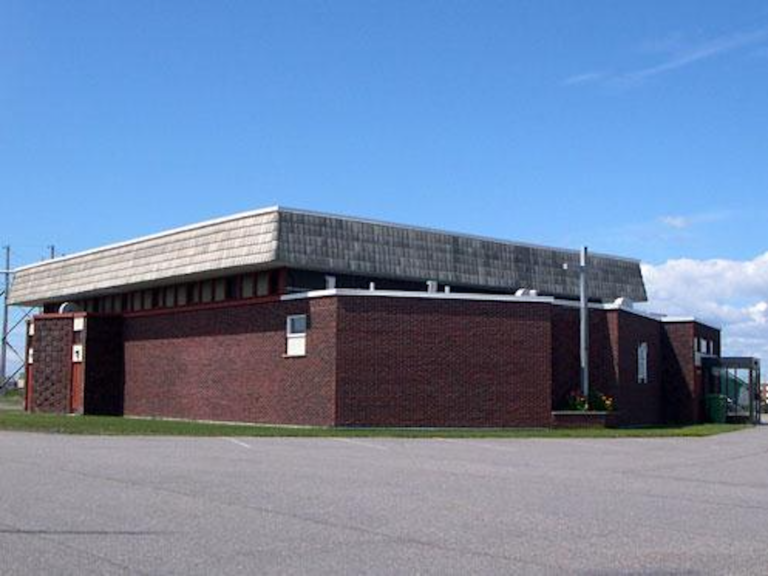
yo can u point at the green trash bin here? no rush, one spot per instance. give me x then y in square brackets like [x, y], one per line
[717, 408]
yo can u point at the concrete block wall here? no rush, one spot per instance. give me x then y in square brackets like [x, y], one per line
[51, 370]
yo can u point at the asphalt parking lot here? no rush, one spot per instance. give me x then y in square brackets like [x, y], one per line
[104, 505]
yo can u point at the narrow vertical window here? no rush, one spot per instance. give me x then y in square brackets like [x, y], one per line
[170, 297]
[206, 291]
[219, 290]
[193, 293]
[642, 363]
[262, 284]
[248, 286]
[274, 281]
[296, 335]
[233, 288]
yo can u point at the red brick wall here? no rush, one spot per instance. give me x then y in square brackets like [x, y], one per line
[566, 362]
[420, 362]
[704, 384]
[226, 363]
[683, 385]
[370, 361]
[679, 373]
[103, 366]
[614, 336]
[639, 403]
[704, 331]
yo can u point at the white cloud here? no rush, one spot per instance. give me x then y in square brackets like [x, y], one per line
[729, 293]
[682, 222]
[678, 222]
[697, 52]
[583, 78]
[679, 54]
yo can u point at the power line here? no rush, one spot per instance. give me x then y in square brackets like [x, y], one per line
[9, 328]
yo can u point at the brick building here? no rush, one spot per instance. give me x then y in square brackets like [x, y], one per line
[292, 317]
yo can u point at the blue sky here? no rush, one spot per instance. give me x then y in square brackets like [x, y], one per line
[637, 128]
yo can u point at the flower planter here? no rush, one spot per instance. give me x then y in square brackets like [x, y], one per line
[583, 419]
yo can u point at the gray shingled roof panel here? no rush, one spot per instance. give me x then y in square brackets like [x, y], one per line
[344, 245]
[327, 243]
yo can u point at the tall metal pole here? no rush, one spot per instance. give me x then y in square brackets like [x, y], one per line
[4, 344]
[584, 332]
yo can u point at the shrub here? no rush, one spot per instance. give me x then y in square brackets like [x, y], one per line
[598, 401]
[576, 401]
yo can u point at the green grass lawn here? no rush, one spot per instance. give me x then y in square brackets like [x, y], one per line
[12, 400]
[105, 425]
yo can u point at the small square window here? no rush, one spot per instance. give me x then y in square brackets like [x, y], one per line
[297, 325]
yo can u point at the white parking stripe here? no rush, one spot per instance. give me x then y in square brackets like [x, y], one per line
[359, 443]
[238, 442]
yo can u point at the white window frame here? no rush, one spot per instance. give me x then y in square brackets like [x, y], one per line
[295, 342]
[642, 363]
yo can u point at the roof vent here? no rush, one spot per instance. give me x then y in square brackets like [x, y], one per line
[68, 307]
[624, 303]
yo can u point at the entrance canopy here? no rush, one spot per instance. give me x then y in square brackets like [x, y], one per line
[737, 378]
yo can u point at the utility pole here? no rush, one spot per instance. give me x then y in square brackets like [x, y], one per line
[584, 316]
[4, 344]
